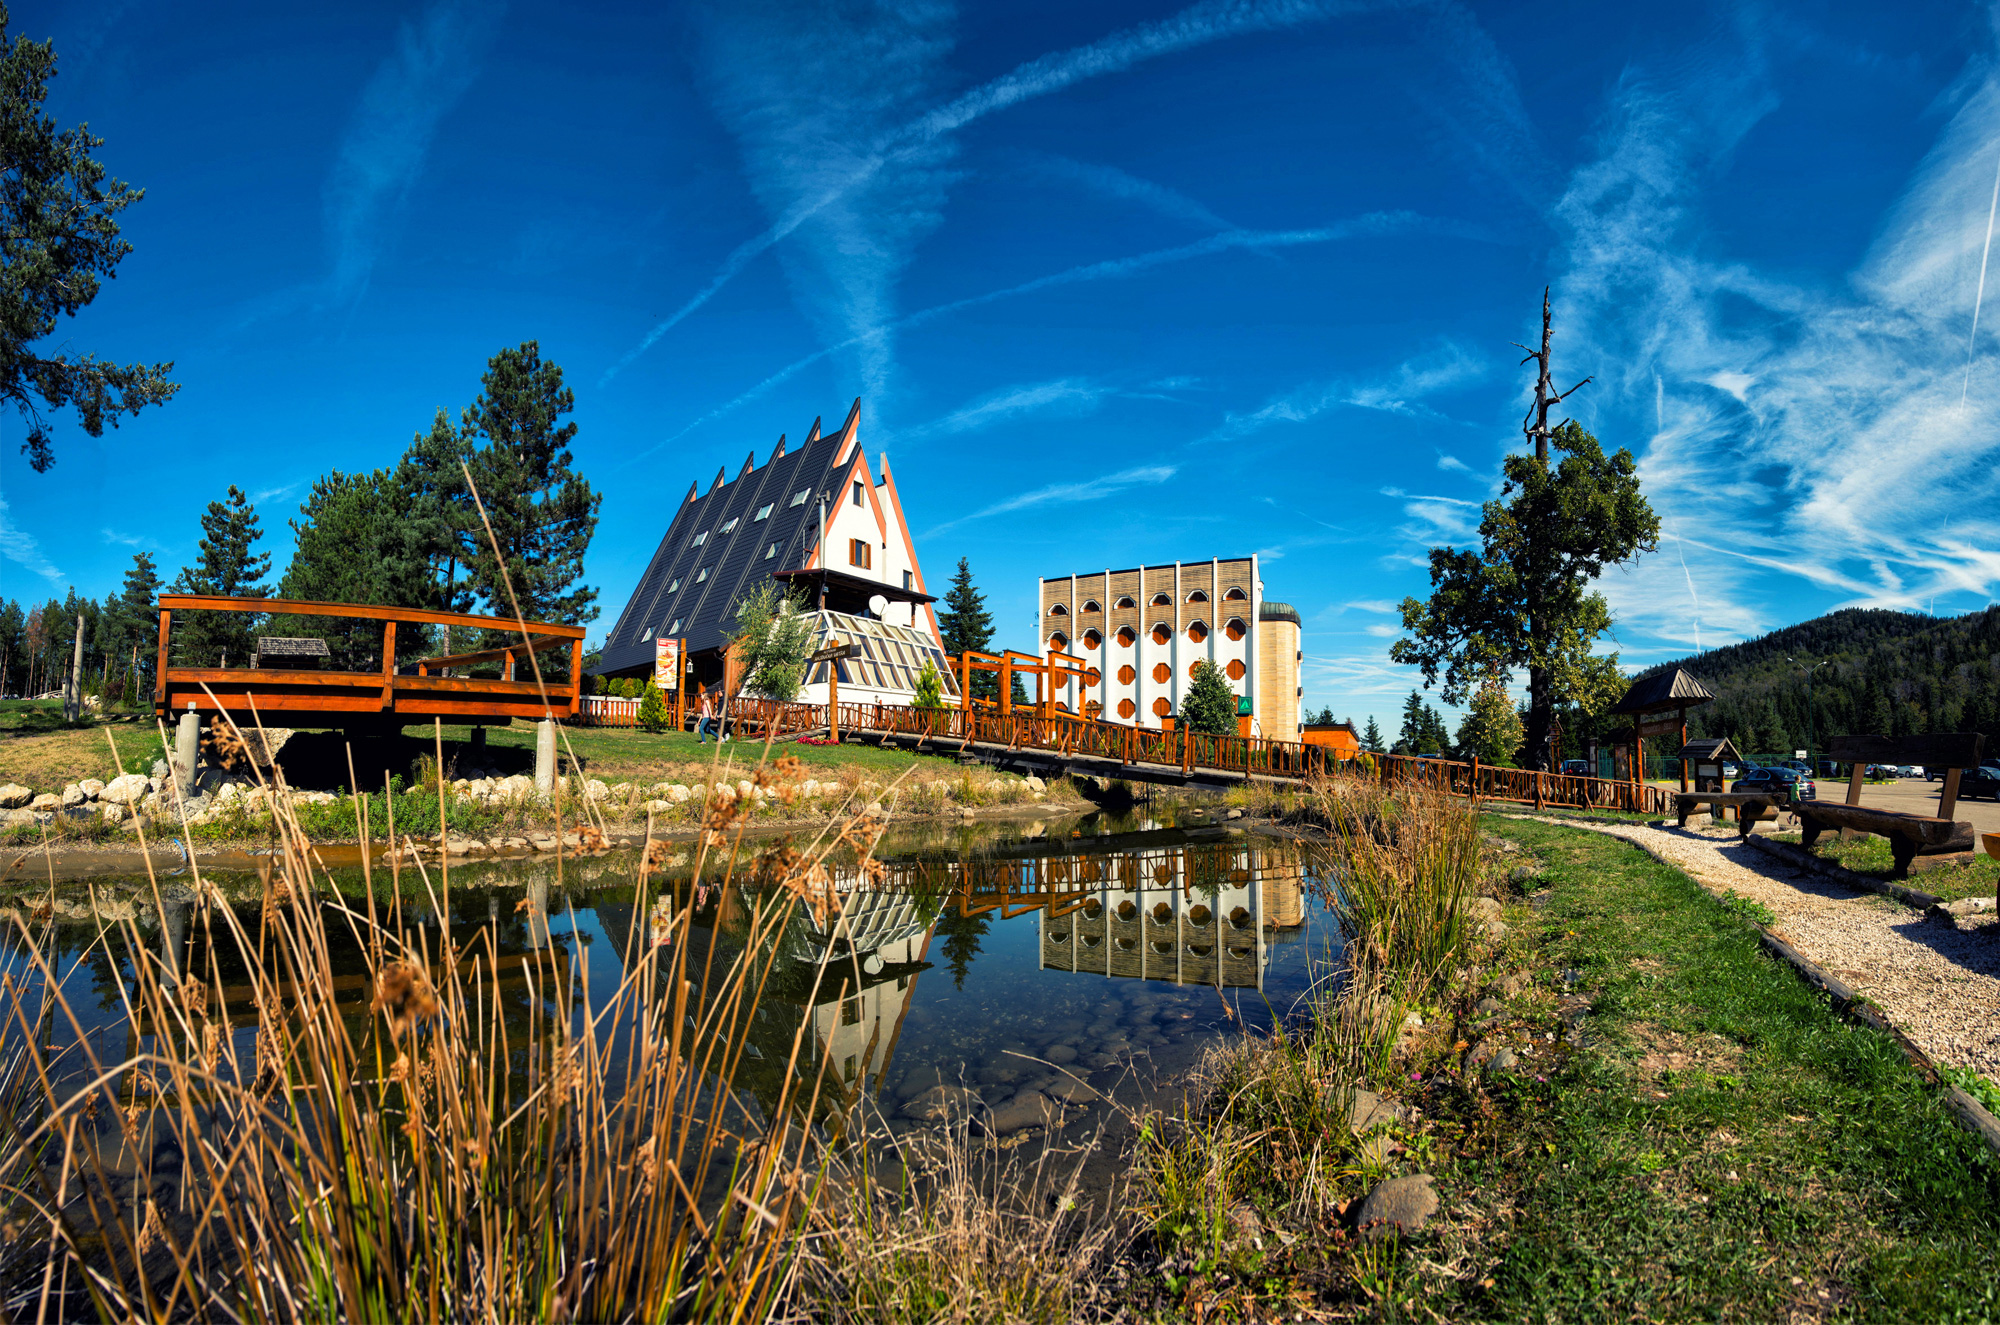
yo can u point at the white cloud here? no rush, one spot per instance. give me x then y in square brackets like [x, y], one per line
[382, 154]
[1068, 396]
[1112, 182]
[1451, 464]
[1382, 630]
[1401, 392]
[21, 548]
[1065, 493]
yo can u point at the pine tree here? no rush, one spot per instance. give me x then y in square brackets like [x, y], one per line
[1410, 740]
[966, 624]
[224, 568]
[12, 622]
[436, 511]
[962, 934]
[1371, 738]
[541, 511]
[653, 711]
[58, 215]
[351, 545]
[1209, 705]
[135, 616]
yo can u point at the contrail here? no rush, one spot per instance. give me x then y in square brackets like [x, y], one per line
[1373, 223]
[1971, 339]
[1682, 550]
[1196, 25]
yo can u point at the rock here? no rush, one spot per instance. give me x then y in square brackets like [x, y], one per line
[943, 1104]
[1505, 1061]
[1370, 1110]
[678, 794]
[1033, 783]
[46, 803]
[1400, 1205]
[129, 789]
[17, 818]
[1234, 814]
[1486, 1007]
[1495, 930]
[1413, 1022]
[657, 807]
[112, 813]
[1030, 1108]
[91, 788]
[14, 796]
[1484, 907]
[1070, 1091]
[1060, 1053]
[73, 795]
[1480, 1054]
[745, 789]
[596, 790]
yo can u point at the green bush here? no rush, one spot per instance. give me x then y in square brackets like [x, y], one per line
[1210, 705]
[653, 708]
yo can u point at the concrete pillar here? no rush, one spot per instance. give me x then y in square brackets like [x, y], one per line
[187, 747]
[173, 941]
[538, 910]
[545, 757]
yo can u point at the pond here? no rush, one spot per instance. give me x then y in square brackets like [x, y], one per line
[1043, 967]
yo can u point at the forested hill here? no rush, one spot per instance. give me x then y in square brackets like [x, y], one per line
[1895, 673]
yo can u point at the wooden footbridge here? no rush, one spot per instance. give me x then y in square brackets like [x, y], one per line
[403, 679]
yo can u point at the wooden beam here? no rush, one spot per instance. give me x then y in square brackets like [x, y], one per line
[160, 672]
[359, 611]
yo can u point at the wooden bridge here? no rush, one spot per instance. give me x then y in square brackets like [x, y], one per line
[1059, 744]
[404, 683]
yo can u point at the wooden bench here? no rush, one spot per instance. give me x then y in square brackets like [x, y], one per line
[1750, 806]
[1910, 835]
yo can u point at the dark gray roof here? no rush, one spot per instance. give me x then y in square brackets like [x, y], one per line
[1710, 751]
[1662, 691]
[672, 589]
[1275, 611]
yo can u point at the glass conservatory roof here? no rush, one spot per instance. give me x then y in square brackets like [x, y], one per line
[887, 657]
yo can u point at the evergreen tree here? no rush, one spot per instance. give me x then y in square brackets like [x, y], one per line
[930, 689]
[225, 568]
[1410, 740]
[436, 511]
[1209, 705]
[1371, 737]
[653, 711]
[133, 625]
[962, 934]
[59, 236]
[12, 622]
[541, 511]
[966, 624]
[1524, 598]
[352, 546]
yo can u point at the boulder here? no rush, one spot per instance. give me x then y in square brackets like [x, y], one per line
[1369, 1110]
[46, 803]
[745, 789]
[1505, 1061]
[112, 813]
[17, 818]
[129, 789]
[1070, 1091]
[943, 1104]
[678, 794]
[1400, 1205]
[1030, 1108]
[596, 790]
[1033, 783]
[14, 796]
[73, 795]
[656, 807]
[92, 788]
[1060, 1053]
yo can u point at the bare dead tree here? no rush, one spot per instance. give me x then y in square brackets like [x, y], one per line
[1536, 424]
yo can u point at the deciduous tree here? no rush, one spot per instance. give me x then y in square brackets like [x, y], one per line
[1523, 600]
[1491, 729]
[59, 241]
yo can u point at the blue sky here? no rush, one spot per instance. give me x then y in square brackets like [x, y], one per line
[1116, 282]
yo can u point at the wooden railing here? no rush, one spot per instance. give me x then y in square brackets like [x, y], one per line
[1186, 750]
[385, 692]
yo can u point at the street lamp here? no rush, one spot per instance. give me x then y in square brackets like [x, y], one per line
[1811, 769]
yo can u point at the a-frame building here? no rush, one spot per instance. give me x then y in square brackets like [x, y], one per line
[817, 519]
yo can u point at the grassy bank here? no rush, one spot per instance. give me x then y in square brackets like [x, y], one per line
[1687, 1132]
[1870, 856]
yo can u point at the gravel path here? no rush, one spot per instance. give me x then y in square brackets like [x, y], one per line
[1939, 983]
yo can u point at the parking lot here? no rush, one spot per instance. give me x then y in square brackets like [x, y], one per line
[1909, 795]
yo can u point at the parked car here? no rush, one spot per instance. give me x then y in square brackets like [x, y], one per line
[1796, 765]
[1909, 770]
[1983, 781]
[1788, 784]
[1578, 768]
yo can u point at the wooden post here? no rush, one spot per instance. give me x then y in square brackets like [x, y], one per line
[575, 676]
[389, 666]
[1948, 802]
[1684, 745]
[833, 701]
[160, 673]
[1539, 775]
[1472, 792]
[1006, 685]
[1854, 795]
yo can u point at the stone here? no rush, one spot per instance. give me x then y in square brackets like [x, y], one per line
[657, 807]
[91, 788]
[1234, 814]
[1505, 1060]
[745, 789]
[1486, 1007]
[1033, 783]
[1369, 1110]
[72, 795]
[1400, 1205]
[17, 818]
[596, 790]
[112, 813]
[1484, 907]
[129, 789]
[46, 803]
[14, 796]
[1060, 1053]
[678, 794]
[1070, 1091]
[1030, 1108]
[943, 1104]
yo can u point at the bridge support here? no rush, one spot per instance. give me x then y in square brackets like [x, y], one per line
[479, 745]
[187, 748]
[545, 757]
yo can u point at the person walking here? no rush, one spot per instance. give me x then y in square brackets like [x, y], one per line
[706, 724]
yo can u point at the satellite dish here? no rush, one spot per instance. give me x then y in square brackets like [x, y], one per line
[878, 605]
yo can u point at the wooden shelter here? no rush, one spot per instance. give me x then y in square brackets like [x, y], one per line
[1338, 737]
[1707, 759]
[1658, 705]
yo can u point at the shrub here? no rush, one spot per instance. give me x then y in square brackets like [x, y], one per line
[652, 708]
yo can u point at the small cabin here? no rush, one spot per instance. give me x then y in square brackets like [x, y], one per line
[1339, 737]
[1704, 761]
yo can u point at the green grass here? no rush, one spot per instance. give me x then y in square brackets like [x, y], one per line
[1784, 1144]
[614, 753]
[1870, 856]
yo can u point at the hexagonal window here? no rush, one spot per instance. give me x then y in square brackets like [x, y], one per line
[1162, 633]
[1235, 628]
[1161, 708]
